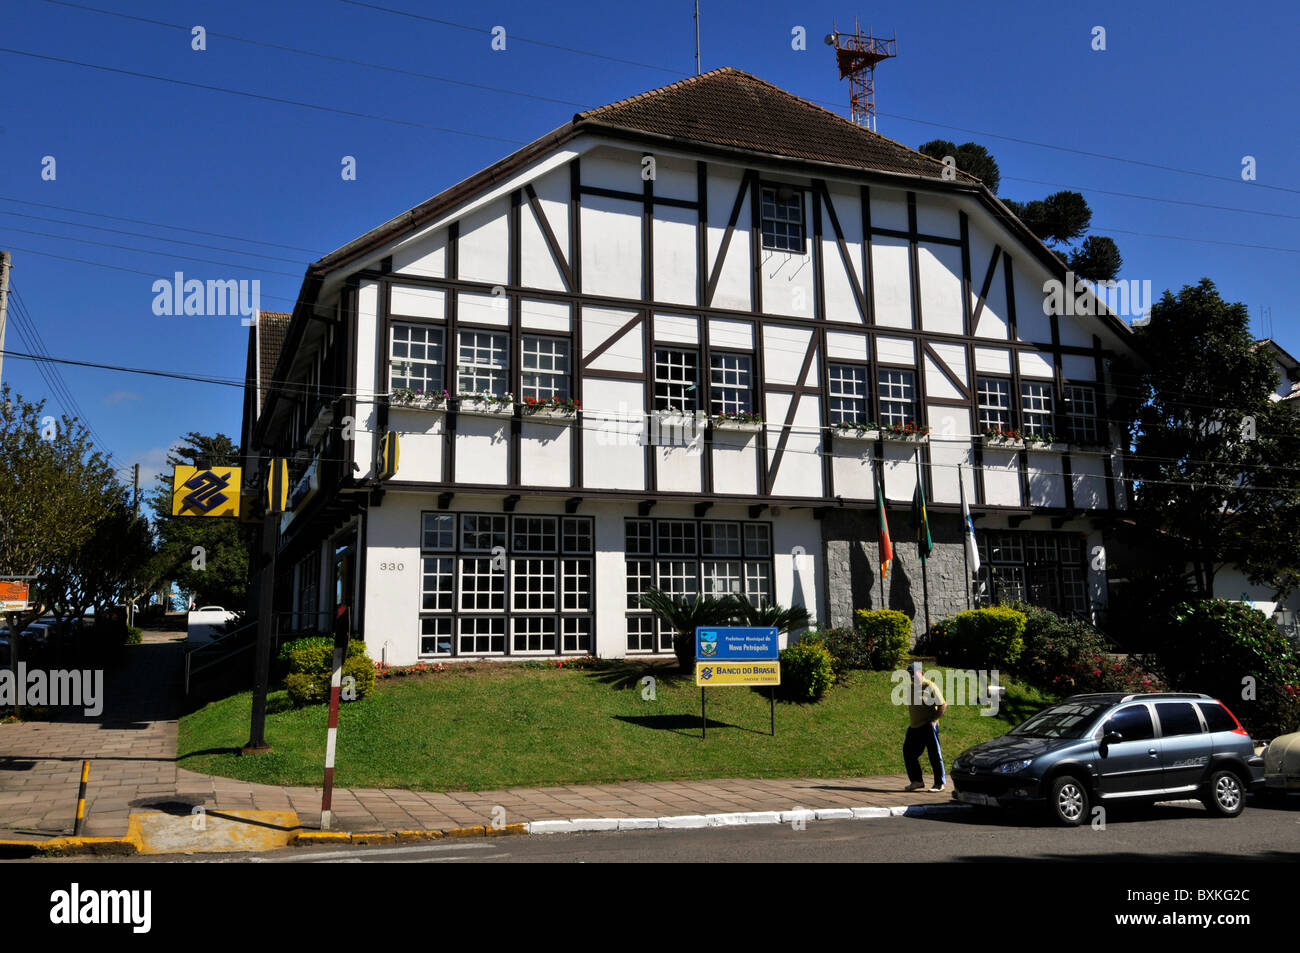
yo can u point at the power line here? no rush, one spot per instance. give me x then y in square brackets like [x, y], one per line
[260, 96]
[140, 221]
[1151, 198]
[326, 56]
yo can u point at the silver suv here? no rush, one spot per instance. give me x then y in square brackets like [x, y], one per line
[1111, 748]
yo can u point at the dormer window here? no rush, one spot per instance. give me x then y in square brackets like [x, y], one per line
[783, 228]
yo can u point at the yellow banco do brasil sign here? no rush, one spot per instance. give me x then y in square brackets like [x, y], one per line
[206, 491]
[737, 673]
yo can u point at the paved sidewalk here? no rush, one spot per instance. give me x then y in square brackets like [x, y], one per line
[132, 754]
[388, 809]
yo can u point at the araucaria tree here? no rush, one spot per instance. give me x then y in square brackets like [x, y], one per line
[1217, 461]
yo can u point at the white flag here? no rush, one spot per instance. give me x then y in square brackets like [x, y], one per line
[972, 548]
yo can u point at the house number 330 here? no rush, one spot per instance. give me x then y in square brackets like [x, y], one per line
[384, 567]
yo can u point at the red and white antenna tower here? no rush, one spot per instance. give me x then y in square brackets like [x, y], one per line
[857, 54]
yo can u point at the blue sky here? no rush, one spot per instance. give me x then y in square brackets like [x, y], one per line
[1196, 92]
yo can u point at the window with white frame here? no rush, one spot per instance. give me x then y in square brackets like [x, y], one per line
[689, 558]
[1080, 413]
[846, 388]
[1036, 407]
[417, 358]
[677, 376]
[545, 368]
[897, 396]
[783, 223]
[731, 390]
[994, 403]
[493, 584]
[483, 364]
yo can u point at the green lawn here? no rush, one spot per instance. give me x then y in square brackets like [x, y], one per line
[480, 727]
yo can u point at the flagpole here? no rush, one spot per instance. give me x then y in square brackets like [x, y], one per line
[920, 530]
[966, 557]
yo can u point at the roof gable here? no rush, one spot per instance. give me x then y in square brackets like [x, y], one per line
[731, 108]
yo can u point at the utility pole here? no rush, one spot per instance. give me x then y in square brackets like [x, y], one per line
[135, 482]
[4, 304]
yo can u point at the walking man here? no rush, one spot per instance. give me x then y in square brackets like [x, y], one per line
[925, 707]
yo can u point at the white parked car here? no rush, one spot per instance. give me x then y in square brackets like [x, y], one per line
[205, 624]
[1282, 764]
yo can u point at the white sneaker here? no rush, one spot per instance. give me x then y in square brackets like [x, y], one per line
[915, 786]
[937, 788]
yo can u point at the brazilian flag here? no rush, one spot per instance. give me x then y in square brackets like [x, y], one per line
[920, 519]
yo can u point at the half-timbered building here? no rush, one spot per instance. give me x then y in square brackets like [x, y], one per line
[699, 323]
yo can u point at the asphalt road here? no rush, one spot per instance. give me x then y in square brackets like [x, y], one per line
[1153, 834]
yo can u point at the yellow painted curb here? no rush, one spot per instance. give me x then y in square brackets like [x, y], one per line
[320, 837]
[478, 830]
[69, 846]
[418, 835]
[508, 830]
[374, 838]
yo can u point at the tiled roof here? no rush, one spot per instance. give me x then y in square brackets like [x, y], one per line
[271, 329]
[729, 107]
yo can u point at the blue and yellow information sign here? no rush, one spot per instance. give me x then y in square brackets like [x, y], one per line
[732, 643]
[708, 674]
[736, 655]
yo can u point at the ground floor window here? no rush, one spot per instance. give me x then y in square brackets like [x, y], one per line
[1045, 569]
[692, 558]
[506, 585]
[307, 615]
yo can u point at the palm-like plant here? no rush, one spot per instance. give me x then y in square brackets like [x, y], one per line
[771, 614]
[683, 614]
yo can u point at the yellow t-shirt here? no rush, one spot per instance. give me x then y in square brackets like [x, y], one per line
[924, 704]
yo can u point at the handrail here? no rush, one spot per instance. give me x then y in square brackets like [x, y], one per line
[190, 670]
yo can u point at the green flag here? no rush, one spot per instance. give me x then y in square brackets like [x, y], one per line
[920, 519]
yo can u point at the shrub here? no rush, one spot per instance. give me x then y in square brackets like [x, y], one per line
[806, 671]
[1066, 656]
[889, 633]
[311, 665]
[1214, 645]
[990, 638]
[849, 648]
[134, 635]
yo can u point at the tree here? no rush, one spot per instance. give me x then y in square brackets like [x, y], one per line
[1216, 457]
[970, 157]
[683, 615]
[1059, 220]
[54, 490]
[206, 557]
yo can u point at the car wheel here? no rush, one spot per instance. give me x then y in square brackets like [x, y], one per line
[1224, 794]
[1069, 800]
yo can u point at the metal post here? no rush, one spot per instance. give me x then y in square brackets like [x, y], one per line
[4, 303]
[332, 731]
[265, 620]
[697, 37]
[81, 800]
[704, 721]
[771, 700]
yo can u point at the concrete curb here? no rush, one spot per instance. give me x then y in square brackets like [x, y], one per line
[69, 847]
[308, 838]
[744, 818]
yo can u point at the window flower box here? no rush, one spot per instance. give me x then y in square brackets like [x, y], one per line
[863, 431]
[737, 423]
[551, 409]
[905, 433]
[403, 398]
[486, 405]
[1046, 442]
[1003, 440]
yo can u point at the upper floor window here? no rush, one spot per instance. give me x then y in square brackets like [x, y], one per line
[677, 375]
[1036, 407]
[545, 368]
[783, 219]
[732, 384]
[994, 404]
[847, 390]
[417, 358]
[1080, 413]
[483, 363]
[897, 396]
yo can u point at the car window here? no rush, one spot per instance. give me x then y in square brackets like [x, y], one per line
[1067, 720]
[1216, 717]
[1134, 723]
[1177, 718]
